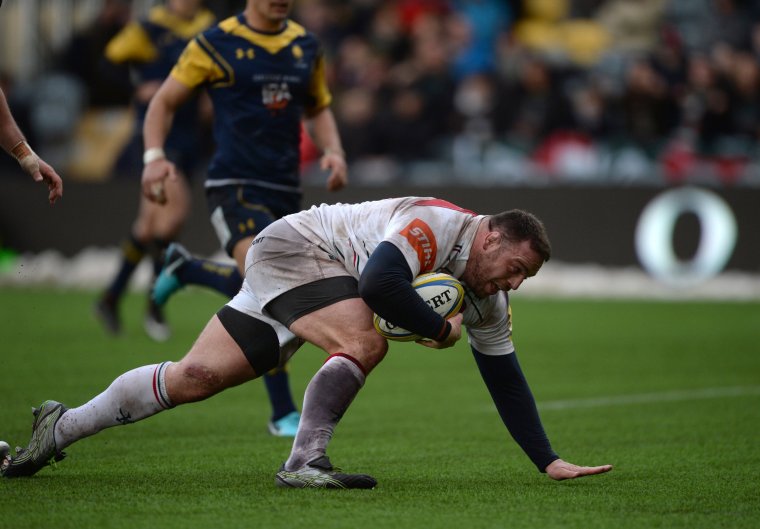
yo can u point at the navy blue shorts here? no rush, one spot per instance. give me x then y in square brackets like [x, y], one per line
[238, 211]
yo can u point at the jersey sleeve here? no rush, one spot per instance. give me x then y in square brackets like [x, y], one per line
[419, 239]
[489, 324]
[196, 66]
[515, 403]
[131, 44]
[319, 93]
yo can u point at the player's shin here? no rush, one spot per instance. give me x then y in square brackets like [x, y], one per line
[135, 395]
[327, 397]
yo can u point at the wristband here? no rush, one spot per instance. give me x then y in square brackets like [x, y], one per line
[153, 154]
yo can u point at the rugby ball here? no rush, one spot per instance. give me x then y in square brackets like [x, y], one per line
[443, 293]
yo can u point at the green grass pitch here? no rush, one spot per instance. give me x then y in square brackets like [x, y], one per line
[667, 392]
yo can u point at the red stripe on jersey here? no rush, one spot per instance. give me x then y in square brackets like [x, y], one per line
[422, 240]
[437, 202]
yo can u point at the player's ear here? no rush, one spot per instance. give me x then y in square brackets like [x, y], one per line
[492, 238]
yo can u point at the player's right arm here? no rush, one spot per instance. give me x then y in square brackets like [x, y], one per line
[158, 121]
[193, 69]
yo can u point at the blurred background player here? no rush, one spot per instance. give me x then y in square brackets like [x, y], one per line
[151, 47]
[13, 142]
[265, 74]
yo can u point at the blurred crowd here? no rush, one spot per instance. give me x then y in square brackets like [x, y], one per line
[529, 91]
[538, 90]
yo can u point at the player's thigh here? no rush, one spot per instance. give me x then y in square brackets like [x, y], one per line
[142, 227]
[171, 216]
[163, 220]
[309, 291]
[343, 327]
[215, 362]
[240, 252]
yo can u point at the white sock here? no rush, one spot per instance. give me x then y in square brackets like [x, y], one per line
[327, 397]
[133, 396]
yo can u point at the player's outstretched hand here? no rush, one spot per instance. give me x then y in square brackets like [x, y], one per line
[153, 177]
[560, 470]
[47, 174]
[451, 339]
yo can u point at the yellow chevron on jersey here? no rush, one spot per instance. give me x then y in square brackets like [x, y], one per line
[200, 62]
[180, 26]
[271, 43]
[196, 67]
[131, 44]
[134, 44]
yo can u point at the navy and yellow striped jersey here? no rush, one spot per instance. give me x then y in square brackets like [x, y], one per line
[152, 46]
[261, 84]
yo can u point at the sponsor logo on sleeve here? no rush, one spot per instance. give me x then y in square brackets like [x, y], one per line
[422, 240]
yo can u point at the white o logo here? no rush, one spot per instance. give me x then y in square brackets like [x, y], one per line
[654, 236]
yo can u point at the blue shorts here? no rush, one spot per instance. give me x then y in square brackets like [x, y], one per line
[240, 211]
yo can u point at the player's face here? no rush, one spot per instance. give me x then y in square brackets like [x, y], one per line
[500, 265]
[184, 8]
[272, 11]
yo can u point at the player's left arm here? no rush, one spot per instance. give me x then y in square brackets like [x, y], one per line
[515, 403]
[321, 125]
[386, 286]
[158, 121]
[14, 143]
[324, 131]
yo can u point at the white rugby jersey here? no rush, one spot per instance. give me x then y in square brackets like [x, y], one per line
[433, 235]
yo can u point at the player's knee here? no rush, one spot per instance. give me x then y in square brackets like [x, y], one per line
[369, 350]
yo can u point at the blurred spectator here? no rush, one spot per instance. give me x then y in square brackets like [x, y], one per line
[107, 85]
[746, 96]
[633, 24]
[669, 60]
[702, 23]
[707, 105]
[387, 34]
[355, 115]
[402, 131]
[647, 111]
[481, 22]
[529, 110]
[591, 113]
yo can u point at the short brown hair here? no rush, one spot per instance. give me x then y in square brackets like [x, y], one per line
[517, 225]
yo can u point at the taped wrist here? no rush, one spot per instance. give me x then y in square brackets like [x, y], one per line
[26, 157]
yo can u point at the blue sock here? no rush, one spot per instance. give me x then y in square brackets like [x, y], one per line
[224, 278]
[158, 251]
[278, 388]
[132, 252]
